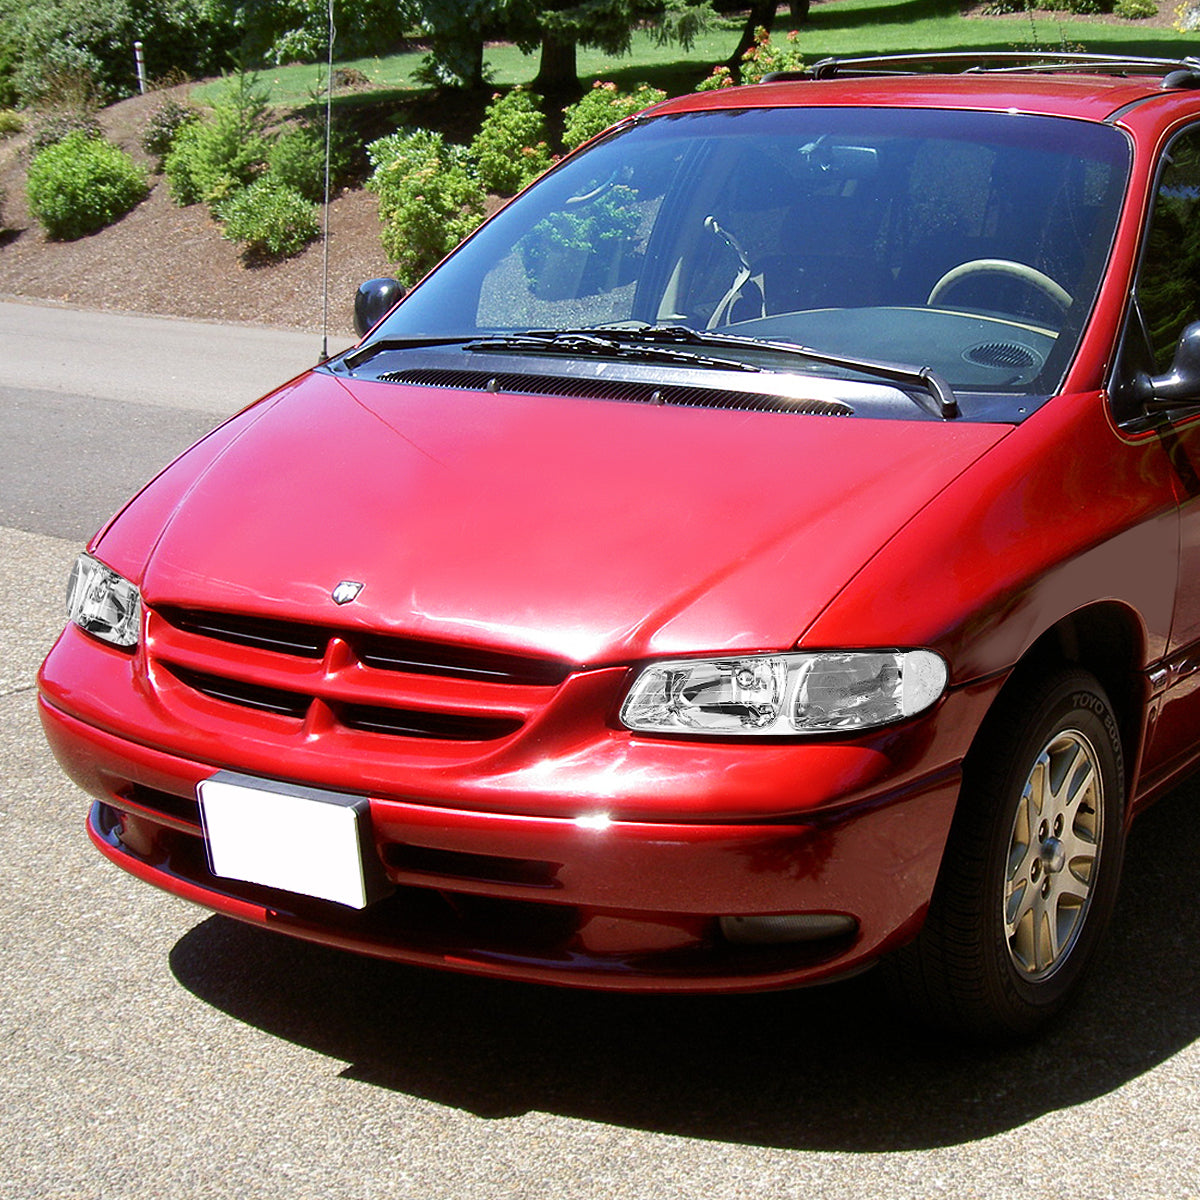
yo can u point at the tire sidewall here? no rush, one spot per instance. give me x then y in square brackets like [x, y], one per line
[1074, 701]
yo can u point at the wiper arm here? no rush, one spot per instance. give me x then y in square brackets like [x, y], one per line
[605, 343]
[936, 396]
[354, 358]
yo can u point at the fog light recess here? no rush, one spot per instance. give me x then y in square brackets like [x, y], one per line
[787, 927]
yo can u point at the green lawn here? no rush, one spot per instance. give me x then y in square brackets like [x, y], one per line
[835, 27]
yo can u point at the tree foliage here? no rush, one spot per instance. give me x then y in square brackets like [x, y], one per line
[560, 27]
[458, 29]
[283, 31]
[55, 37]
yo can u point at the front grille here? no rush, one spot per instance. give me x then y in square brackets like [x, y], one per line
[630, 391]
[379, 651]
[317, 678]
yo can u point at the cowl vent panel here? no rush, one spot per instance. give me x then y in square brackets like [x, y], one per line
[629, 391]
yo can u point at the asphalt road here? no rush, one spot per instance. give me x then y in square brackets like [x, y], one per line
[151, 1050]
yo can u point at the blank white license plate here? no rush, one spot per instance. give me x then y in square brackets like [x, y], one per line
[285, 836]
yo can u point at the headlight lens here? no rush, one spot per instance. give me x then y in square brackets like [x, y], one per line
[781, 695]
[103, 604]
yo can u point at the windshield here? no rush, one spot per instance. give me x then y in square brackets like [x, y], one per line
[971, 244]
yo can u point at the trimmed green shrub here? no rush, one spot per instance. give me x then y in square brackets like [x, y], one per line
[429, 199]
[82, 184]
[766, 56]
[10, 123]
[603, 106]
[269, 219]
[212, 158]
[162, 126]
[1135, 10]
[510, 149]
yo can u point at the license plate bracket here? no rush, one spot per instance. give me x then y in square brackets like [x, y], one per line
[298, 839]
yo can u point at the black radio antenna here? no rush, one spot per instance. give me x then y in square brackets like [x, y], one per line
[325, 224]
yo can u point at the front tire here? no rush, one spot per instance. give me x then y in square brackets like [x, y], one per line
[1031, 867]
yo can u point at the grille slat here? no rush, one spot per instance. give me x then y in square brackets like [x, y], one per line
[284, 637]
[450, 727]
[248, 695]
[629, 391]
[426, 658]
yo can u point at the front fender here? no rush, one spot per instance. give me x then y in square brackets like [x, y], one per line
[1062, 514]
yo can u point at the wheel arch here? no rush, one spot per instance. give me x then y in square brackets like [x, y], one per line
[1106, 639]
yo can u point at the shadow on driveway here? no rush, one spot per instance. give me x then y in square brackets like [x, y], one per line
[833, 1068]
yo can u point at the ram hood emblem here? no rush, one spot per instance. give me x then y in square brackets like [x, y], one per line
[346, 591]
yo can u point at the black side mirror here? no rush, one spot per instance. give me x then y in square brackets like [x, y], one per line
[1180, 386]
[373, 301]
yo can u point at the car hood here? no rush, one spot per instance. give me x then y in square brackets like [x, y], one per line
[589, 530]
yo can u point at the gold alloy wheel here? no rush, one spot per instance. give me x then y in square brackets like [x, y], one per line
[1053, 853]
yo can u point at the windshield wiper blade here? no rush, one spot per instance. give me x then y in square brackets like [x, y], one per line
[934, 394]
[605, 343]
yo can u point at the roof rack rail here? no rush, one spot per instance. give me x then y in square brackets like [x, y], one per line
[1176, 72]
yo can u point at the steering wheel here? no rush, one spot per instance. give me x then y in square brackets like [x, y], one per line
[1000, 266]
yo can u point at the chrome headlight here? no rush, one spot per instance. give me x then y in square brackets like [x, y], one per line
[781, 695]
[103, 604]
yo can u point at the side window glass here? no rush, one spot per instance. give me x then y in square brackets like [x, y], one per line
[1168, 288]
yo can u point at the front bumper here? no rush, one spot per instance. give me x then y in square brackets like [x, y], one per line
[630, 904]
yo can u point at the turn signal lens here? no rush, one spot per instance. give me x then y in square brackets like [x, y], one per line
[783, 695]
[103, 604]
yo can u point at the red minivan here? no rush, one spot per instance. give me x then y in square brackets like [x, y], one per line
[768, 547]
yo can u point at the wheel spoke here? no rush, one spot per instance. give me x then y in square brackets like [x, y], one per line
[1080, 850]
[1051, 941]
[1021, 899]
[1077, 784]
[1038, 790]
